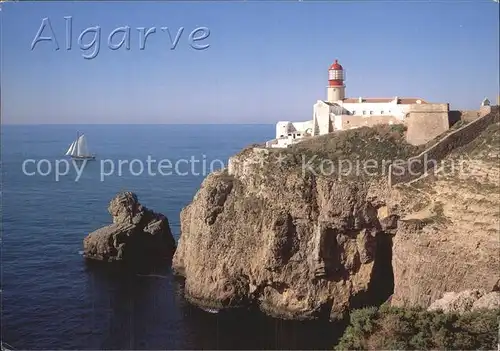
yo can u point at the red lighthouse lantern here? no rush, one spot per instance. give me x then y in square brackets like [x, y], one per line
[336, 75]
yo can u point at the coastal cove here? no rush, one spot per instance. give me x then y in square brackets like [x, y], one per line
[52, 299]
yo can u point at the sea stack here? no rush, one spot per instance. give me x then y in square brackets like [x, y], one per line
[137, 234]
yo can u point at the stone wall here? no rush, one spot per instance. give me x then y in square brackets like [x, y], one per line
[425, 122]
[417, 166]
[349, 122]
[468, 115]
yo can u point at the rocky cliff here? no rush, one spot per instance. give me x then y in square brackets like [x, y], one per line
[303, 238]
[448, 234]
[292, 235]
[136, 235]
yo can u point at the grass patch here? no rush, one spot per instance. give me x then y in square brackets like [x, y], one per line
[361, 152]
[489, 138]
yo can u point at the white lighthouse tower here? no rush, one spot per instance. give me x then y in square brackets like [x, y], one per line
[336, 87]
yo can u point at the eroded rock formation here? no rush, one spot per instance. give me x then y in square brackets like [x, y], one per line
[137, 233]
[296, 245]
[448, 235]
[307, 245]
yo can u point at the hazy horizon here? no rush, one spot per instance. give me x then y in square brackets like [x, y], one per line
[265, 61]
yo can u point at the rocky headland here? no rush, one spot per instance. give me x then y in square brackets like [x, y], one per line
[318, 243]
[137, 234]
[297, 245]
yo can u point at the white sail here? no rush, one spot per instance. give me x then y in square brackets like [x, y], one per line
[79, 148]
[71, 150]
[82, 148]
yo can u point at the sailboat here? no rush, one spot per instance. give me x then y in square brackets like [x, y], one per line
[78, 150]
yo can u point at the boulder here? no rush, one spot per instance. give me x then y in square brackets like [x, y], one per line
[466, 301]
[136, 234]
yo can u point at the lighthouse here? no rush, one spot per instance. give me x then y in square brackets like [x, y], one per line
[336, 87]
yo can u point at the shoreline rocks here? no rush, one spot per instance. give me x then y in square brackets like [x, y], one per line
[137, 234]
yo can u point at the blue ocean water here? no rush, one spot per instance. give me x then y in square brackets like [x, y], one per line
[53, 299]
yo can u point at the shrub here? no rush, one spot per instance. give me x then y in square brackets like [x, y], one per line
[409, 329]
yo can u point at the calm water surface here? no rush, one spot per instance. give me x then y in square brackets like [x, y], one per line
[52, 299]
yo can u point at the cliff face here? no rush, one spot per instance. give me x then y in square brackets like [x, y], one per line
[448, 235]
[298, 245]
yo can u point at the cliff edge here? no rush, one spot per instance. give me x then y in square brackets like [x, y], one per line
[295, 236]
[315, 230]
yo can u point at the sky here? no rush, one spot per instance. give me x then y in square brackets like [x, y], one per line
[262, 61]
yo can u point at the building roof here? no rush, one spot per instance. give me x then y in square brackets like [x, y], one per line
[336, 66]
[403, 101]
[329, 103]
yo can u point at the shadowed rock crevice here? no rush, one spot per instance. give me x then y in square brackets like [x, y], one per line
[381, 285]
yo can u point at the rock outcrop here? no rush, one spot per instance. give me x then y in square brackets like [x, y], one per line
[448, 234]
[466, 301]
[296, 243]
[279, 230]
[137, 234]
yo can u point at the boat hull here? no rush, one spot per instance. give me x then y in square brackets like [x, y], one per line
[83, 158]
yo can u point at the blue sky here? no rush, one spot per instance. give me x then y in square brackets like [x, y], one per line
[266, 60]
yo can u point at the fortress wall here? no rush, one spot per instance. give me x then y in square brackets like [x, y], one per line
[417, 166]
[469, 115]
[425, 122]
[349, 121]
[425, 108]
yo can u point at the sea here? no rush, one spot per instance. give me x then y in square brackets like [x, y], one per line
[52, 299]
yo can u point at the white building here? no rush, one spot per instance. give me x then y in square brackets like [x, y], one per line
[340, 113]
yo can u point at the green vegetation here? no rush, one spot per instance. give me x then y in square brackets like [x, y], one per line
[489, 139]
[380, 142]
[361, 152]
[416, 329]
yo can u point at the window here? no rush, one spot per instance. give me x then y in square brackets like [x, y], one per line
[289, 134]
[298, 134]
[364, 112]
[371, 112]
[382, 112]
[282, 136]
[353, 112]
